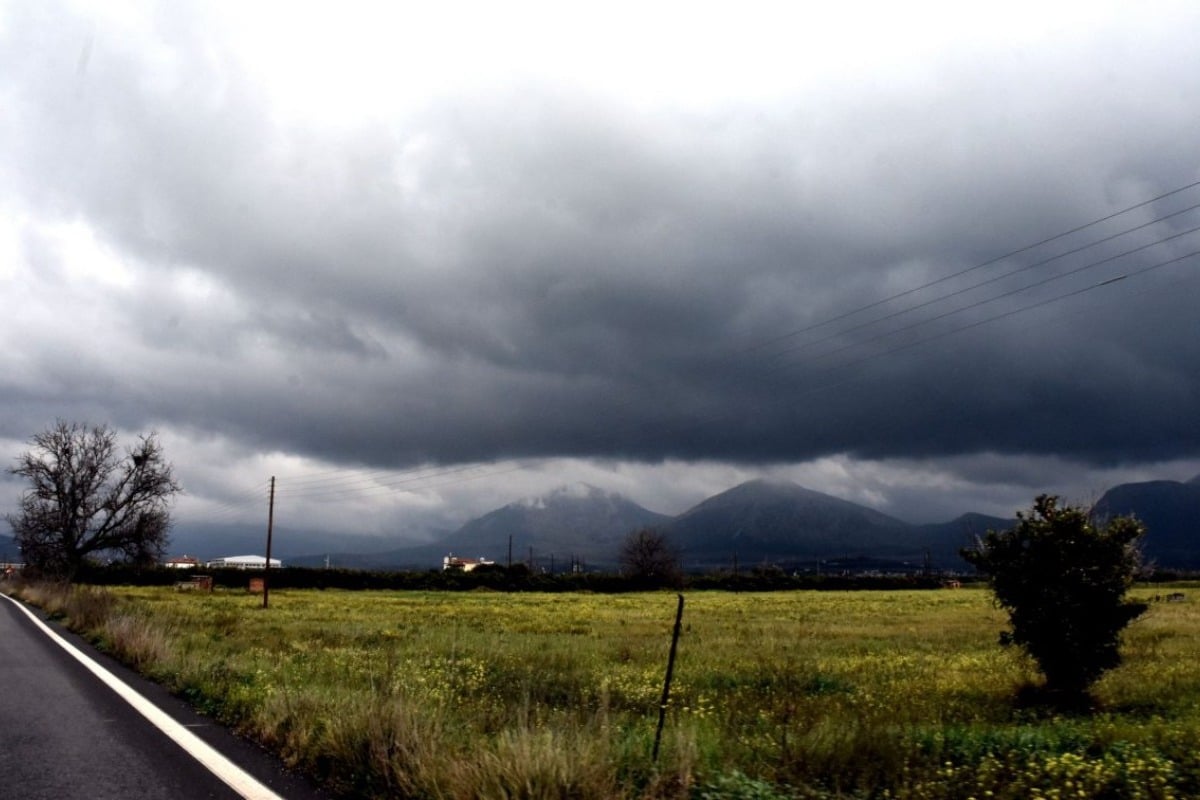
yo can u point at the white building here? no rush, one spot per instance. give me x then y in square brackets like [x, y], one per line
[243, 562]
[453, 562]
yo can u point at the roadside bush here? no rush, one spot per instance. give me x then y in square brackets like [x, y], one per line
[1063, 581]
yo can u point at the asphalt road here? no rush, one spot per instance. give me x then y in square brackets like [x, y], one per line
[64, 734]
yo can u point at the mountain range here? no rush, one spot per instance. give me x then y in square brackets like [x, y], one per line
[783, 523]
[757, 522]
[579, 523]
[775, 522]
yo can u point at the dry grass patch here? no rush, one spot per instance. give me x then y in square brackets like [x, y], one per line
[809, 694]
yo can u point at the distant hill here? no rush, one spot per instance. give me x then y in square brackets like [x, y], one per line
[578, 522]
[756, 522]
[769, 520]
[782, 522]
[1170, 511]
[580, 519]
[949, 537]
[759, 521]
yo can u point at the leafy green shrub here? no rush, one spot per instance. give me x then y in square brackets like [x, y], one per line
[1063, 580]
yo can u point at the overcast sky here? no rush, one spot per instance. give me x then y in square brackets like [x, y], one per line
[420, 265]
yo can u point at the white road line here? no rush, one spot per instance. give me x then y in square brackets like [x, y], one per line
[233, 775]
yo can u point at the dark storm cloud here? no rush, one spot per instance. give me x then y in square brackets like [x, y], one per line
[537, 271]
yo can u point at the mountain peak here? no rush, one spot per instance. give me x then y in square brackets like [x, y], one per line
[772, 484]
[565, 494]
[578, 490]
[778, 490]
[577, 519]
[781, 521]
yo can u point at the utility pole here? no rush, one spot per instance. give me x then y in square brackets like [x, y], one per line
[270, 527]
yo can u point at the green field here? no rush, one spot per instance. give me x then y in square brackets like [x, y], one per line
[896, 694]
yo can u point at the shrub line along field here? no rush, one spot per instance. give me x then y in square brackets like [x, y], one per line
[888, 694]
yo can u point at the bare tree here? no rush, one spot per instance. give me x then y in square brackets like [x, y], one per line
[648, 554]
[86, 499]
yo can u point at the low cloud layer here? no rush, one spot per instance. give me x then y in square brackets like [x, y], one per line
[527, 261]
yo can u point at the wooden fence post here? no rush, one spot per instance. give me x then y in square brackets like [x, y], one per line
[666, 695]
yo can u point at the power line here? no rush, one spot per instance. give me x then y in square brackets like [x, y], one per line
[778, 377]
[416, 477]
[1009, 313]
[833, 383]
[630, 401]
[634, 427]
[403, 481]
[340, 483]
[236, 505]
[1009, 293]
[995, 279]
[988, 263]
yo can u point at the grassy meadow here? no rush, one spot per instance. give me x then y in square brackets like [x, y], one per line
[888, 694]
